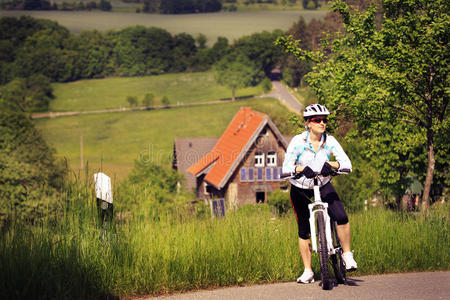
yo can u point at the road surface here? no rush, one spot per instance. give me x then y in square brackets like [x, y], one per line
[411, 286]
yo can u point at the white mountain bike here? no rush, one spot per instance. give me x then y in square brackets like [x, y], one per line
[324, 238]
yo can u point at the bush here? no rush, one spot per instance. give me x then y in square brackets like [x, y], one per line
[29, 174]
[132, 101]
[280, 200]
[266, 85]
[149, 100]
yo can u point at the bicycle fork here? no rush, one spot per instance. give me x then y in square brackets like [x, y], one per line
[314, 208]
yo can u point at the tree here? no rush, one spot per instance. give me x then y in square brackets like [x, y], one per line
[105, 5]
[132, 101]
[391, 80]
[27, 94]
[143, 51]
[149, 100]
[259, 49]
[29, 173]
[235, 72]
[165, 101]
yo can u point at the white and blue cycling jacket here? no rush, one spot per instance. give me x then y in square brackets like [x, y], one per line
[300, 152]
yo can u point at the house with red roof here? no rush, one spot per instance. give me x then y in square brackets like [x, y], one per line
[240, 167]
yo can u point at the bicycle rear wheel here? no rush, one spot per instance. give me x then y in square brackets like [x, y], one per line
[323, 253]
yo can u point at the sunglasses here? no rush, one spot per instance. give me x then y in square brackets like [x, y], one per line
[318, 120]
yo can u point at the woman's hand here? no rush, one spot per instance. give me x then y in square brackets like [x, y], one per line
[299, 169]
[334, 164]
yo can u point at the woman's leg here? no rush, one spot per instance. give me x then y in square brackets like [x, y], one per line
[300, 200]
[305, 252]
[344, 235]
[337, 212]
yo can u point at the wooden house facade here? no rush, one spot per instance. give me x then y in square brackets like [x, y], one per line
[242, 166]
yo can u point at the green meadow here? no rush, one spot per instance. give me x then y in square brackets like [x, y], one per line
[112, 141]
[183, 88]
[212, 25]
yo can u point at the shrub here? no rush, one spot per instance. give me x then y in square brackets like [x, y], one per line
[280, 200]
[132, 101]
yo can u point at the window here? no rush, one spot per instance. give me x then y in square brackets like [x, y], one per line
[268, 174]
[243, 174]
[259, 174]
[259, 159]
[272, 159]
[276, 175]
[251, 174]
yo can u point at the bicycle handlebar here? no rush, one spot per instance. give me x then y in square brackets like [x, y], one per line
[294, 174]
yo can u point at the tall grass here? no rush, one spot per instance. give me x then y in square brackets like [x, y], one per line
[66, 257]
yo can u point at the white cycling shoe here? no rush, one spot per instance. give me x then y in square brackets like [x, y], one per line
[307, 277]
[349, 262]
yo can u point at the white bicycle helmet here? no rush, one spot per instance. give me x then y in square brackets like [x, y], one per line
[315, 110]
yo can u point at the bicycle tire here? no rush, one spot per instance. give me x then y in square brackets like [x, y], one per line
[336, 259]
[323, 253]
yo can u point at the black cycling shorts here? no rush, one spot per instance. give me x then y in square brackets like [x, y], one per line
[300, 198]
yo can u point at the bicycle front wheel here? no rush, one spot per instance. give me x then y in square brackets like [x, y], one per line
[323, 253]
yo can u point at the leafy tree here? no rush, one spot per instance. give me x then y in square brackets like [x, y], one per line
[105, 5]
[219, 49]
[259, 49]
[149, 100]
[27, 94]
[184, 50]
[165, 101]
[235, 72]
[189, 6]
[132, 101]
[140, 50]
[201, 41]
[29, 174]
[151, 6]
[392, 81]
[95, 53]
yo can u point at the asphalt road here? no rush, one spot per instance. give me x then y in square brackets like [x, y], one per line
[281, 93]
[411, 286]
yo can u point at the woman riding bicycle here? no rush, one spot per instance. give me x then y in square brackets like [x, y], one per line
[307, 154]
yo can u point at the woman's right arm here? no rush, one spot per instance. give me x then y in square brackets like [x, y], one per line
[293, 151]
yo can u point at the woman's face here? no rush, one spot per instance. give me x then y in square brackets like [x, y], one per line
[318, 124]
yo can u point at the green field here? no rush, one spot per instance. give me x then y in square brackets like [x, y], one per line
[112, 92]
[66, 258]
[113, 141]
[212, 25]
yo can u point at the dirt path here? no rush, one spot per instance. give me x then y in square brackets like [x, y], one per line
[411, 286]
[115, 110]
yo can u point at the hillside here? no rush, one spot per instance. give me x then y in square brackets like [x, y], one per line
[109, 93]
[113, 141]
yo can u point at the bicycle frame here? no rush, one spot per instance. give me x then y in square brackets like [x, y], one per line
[315, 207]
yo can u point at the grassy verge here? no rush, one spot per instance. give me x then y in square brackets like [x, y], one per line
[113, 141]
[107, 93]
[67, 258]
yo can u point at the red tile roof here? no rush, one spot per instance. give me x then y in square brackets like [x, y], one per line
[222, 160]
